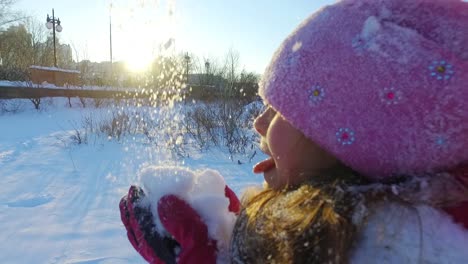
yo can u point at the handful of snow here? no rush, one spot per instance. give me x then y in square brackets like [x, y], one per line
[204, 191]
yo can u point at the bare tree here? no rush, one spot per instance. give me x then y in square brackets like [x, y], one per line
[38, 35]
[207, 69]
[231, 70]
[6, 14]
[81, 53]
[36, 102]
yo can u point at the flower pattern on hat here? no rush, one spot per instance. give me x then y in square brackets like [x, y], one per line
[390, 96]
[345, 136]
[441, 70]
[316, 94]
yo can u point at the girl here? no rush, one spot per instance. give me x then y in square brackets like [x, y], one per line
[366, 129]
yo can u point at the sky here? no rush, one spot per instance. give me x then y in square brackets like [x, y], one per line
[205, 28]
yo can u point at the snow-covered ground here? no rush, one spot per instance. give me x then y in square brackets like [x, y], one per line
[59, 200]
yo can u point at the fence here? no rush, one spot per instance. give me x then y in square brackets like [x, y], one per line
[28, 92]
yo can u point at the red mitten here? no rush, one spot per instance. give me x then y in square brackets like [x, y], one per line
[190, 241]
[141, 231]
[188, 229]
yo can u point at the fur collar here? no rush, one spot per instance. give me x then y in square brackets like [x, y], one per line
[443, 189]
[398, 233]
[409, 226]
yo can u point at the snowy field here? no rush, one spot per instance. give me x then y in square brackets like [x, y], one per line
[59, 199]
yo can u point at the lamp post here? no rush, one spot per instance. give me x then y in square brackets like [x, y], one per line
[54, 24]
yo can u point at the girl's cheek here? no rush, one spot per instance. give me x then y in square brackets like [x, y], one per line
[282, 137]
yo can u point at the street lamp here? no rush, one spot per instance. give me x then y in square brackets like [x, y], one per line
[54, 24]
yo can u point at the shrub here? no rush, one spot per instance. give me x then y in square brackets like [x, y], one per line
[11, 106]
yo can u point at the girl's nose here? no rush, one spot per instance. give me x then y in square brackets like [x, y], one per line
[261, 122]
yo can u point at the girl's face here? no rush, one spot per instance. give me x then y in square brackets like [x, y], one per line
[293, 157]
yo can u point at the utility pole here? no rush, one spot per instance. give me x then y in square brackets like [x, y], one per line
[187, 61]
[110, 37]
[110, 45]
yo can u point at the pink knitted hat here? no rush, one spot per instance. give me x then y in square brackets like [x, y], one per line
[381, 84]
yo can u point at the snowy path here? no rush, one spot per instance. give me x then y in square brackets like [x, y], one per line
[61, 209]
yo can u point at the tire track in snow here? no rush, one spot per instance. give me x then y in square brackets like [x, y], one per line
[87, 203]
[28, 173]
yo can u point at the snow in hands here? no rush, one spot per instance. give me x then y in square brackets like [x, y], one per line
[204, 191]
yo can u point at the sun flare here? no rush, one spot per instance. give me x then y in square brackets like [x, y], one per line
[138, 63]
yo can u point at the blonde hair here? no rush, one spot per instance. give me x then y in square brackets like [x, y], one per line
[317, 222]
[309, 224]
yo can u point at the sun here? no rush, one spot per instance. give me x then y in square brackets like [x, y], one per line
[138, 62]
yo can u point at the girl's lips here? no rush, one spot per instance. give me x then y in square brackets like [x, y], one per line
[264, 166]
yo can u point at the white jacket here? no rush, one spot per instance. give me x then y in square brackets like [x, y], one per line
[395, 233]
